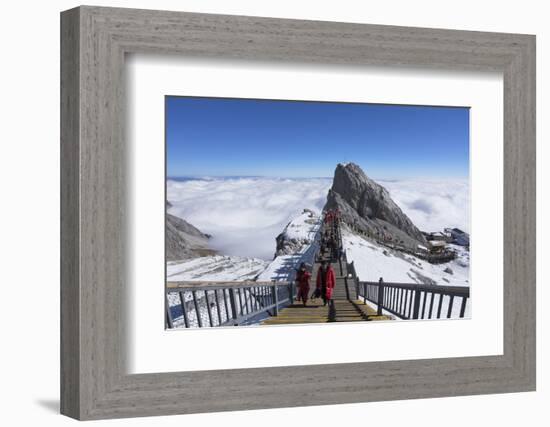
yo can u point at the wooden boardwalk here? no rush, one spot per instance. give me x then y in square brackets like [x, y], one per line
[209, 304]
[343, 308]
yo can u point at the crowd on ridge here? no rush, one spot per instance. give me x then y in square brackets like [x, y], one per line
[330, 242]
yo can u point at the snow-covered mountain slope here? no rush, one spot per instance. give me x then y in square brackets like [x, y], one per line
[184, 241]
[373, 261]
[296, 244]
[215, 268]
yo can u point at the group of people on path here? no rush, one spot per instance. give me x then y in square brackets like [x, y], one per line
[326, 279]
[332, 216]
[325, 282]
[330, 237]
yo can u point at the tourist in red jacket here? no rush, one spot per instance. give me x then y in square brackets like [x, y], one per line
[302, 278]
[328, 217]
[326, 281]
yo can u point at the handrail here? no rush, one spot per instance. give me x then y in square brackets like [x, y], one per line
[410, 300]
[200, 286]
[212, 304]
[461, 291]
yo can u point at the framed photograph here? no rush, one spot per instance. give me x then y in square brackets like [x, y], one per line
[304, 213]
[268, 224]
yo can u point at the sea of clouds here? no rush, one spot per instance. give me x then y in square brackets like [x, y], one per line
[431, 204]
[244, 215]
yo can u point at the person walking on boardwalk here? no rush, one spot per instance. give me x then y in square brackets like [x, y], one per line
[325, 281]
[302, 278]
[337, 215]
[322, 246]
[328, 217]
[334, 250]
[340, 253]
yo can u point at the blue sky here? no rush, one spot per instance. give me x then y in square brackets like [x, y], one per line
[236, 137]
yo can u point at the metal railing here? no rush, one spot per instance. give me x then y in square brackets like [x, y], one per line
[213, 304]
[414, 301]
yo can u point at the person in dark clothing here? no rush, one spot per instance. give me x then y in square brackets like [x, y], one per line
[322, 246]
[302, 279]
[333, 250]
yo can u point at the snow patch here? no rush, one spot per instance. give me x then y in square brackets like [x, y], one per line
[305, 229]
[215, 268]
[371, 264]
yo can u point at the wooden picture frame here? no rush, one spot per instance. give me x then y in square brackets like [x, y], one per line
[94, 382]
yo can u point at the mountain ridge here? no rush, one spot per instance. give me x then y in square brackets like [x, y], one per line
[184, 240]
[368, 207]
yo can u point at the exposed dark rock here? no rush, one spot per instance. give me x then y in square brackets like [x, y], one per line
[184, 240]
[286, 246]
[448, 270]
[368, 207]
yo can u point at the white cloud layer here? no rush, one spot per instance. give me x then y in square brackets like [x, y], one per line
[244, 215]
[433, 205]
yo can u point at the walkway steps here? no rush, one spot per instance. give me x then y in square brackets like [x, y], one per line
[314, 312]
[369, 312]
[345, 311]
[344, 307]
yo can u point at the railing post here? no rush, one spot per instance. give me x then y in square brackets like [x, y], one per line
[208, 308]
[184, 309]
[416, 304]
[291, 293]
[380, 296]
[233, 303]
[450, 309]
[347, 287]
[274, 290]
[225, 306]
[218, 311]
[463, 307]
[169, 320]
[197, 310]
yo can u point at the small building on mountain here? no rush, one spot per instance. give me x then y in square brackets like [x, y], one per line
[437, 246]
[459, 237]
[441, 236]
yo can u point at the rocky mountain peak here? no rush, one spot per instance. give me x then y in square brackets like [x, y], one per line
[368, 207]
[184, 240]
